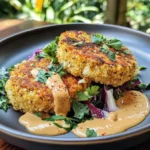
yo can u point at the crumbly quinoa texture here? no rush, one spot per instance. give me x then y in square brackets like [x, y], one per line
[85, 60]
[27, 95]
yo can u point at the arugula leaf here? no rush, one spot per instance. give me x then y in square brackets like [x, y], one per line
[93, 90]
[80, 110]
[97, 38]
[90, 133]
[142, 68]
[4, 75]
[115, 43]
[51, 49]
[112, 56]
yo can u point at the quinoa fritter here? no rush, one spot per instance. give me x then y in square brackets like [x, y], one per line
[87, 61]
[27, 95]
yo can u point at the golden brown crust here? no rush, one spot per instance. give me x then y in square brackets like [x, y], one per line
[87, 61]
[30, 96]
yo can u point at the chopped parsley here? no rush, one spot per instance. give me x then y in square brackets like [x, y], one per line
[126, 52]
[70, 121]
[104, 49]
[80, 110]
[51, 49]
[97, 38]
[11, 68]
[4, 75]
[143, 86]
[88, 93]
[115, 43]
[58, 68]
[112, 56]
[43, 75]
[90, 133]
[142, 68]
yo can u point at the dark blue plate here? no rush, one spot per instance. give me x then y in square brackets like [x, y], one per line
[19, 46]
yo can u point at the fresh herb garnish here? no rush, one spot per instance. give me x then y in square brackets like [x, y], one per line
[70, 121]
[97, 38]
[80, 110]
[115, 43]
[11, 68]
[58, 68]
[39, 114]
[90, 133]
[41, 55]
[43, 75]
[142, 68]
[126, 52]
[88, 93]
[51, 49]
[143, 86]
[4, 75]
[104, 49]
[112, 56]
[93, 90]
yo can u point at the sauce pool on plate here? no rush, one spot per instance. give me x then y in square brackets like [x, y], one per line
[133, 109]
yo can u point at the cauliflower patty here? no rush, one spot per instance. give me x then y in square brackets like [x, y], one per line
[27, 95]
[81, 57]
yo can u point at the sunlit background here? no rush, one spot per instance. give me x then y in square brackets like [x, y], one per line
[130, 13]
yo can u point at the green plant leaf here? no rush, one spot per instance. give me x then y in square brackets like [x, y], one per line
[79, 18]
[50, 14]
[87, 8]
[115, 43]
[90, 133]
[66, 6]
[80, 110]
[112, 56]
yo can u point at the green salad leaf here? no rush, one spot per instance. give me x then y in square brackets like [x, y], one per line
[4, 75]
[90, 133]
[142, 68]
[88, 93]
[97, 38]
[115, 43]
[80, 110]
[51, 49]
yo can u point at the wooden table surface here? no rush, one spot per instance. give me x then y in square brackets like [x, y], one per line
[8, 27]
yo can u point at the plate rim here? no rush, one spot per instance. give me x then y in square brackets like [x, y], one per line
[65, 141]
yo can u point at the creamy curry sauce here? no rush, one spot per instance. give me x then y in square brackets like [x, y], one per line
[36, 125]
[133, 108]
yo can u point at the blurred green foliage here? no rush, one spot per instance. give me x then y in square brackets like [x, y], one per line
[55, 11]
[68, 11]
[138, 14]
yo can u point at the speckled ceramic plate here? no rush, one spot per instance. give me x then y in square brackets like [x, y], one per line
[19, 46]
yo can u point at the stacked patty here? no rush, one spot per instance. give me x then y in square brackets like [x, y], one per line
[28, 95]
[81, 57]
